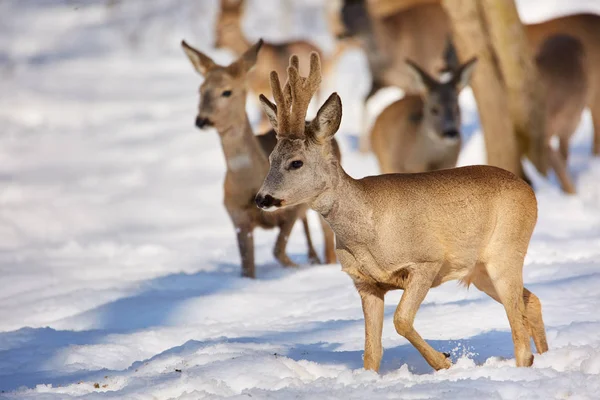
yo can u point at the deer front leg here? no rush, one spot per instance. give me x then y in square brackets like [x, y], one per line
[419, 281]
[329, 238]
[313, 258]
[372, 305]
[245, 240]
[285, 228]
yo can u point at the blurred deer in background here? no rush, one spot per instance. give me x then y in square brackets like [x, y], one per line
[223, 106]
[405, 231]
[420, 133]
[562, 64]
[342, 41]
[413, 33]
[419, 32]
[229, 35]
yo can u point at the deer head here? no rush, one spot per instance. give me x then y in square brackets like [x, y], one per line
[224, 88]
[302, 163]
[440, 97]
[228, 26]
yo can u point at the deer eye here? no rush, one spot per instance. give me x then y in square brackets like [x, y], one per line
[226, 93]
[297, 164]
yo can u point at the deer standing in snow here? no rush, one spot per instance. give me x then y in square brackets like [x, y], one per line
[421, 133]
[273, 56]
[420, 31]
[223, 105]
[562, 64]
[404, 231]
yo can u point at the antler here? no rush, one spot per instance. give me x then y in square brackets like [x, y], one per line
[292, 101]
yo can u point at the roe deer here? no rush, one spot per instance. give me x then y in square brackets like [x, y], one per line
[419, 33]
[405, 231]
[412, 34]
[223, 105]
[561, 61]
[273, 56]
[421, 133]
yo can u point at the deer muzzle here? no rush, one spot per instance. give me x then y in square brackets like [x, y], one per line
[201, 122]
[267, 202]
[451, 134]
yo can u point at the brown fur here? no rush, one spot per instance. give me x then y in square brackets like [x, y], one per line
[272, 57]
[561, 61]
[421, 133]
[419, 33]
[414, 232]
[246, 156]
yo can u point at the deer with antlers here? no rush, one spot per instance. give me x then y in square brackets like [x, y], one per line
[404, 231]
[223, 106]
[273, 56]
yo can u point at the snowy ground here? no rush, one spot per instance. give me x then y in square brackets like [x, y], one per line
[119, 268]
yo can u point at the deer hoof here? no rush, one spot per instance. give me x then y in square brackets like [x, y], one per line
[445, 363]
[286, 262]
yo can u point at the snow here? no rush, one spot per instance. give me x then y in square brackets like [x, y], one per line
[120, 271]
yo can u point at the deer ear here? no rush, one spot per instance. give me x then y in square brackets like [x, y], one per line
[328, 119]
[422, 81]
[270, 110]
[201, 62]
[248, 59]
[464, 73]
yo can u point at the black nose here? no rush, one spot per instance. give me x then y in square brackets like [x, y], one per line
[202, 122]
[451, 134]
[264, 202]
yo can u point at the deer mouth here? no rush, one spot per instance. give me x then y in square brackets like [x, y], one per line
[451, 134]
[202, 123]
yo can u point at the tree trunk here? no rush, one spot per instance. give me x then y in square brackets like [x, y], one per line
[471, 39]
[523, 86]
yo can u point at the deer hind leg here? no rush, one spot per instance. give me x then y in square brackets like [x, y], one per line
[595, 109]
[560, 168]
[329, 238]
[563, 148]
[285, 228]
[537, 330]
[507, 282]
[419, 282]
[533, 308]
[313, 258]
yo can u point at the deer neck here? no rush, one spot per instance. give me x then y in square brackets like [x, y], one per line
[245, 159]
[236, 41]
[343, 193]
